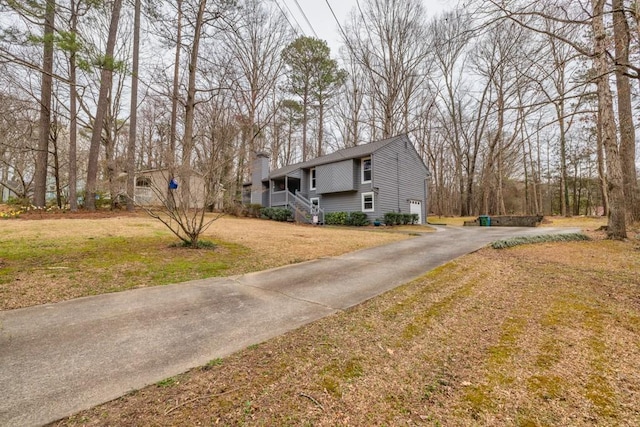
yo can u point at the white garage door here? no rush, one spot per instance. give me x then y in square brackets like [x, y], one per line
[415, 207]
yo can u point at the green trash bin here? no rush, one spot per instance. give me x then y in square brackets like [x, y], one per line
[485, 220]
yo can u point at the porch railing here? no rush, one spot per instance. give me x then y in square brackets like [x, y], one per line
[279, 198]
[303, 210]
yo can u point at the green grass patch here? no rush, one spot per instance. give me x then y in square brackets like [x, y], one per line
[215, 362]
[550, 353]
[546, 387]
[168, 382]
[479, 399]
[507, 346]
[421, 321]
[439, 277]
[335, 374]
[92, 266]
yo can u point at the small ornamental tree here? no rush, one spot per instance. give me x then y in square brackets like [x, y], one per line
[184, 212]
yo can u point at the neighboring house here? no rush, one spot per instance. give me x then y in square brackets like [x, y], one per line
[9, 189]
[152, 187]
[375, 178]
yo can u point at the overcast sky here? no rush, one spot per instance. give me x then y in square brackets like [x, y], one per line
[323, 22]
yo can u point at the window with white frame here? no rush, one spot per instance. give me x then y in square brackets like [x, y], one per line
[367, 202]
[315, 204]
[366, 170]
[312, 179]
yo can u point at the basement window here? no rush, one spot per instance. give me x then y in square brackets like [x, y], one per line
[367, 202]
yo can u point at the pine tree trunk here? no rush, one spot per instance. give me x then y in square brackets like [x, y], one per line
[73, 111]
[187, 144]
[617, 216]
[106, 77]
[131, 145]
[171, 155]
[625, 111]
[42, 155]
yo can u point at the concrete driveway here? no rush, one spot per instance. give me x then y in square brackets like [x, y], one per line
[58, 359]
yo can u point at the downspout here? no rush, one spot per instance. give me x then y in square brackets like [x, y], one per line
[375, 190]
[398, 179]
[426, 203]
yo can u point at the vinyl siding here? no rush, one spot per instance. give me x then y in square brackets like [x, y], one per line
[399, 174]
[335, 177]
[350, 201]
[305, 183]
[341, 202]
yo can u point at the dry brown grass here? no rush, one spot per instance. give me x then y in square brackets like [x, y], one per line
[284, 243]
[49, 260]
[586, 222]
[537, 335]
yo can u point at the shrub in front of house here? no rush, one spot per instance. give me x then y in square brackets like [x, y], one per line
[408, 219]
[276, 214]
[336, 218]
[357, 219]
[395, 218]
[391, 218]
[265, 213]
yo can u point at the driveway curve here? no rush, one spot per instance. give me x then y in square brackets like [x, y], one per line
[58, 359]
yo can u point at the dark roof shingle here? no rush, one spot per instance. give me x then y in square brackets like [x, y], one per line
[356, 152]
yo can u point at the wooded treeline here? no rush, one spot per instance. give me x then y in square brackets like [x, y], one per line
[516, 107]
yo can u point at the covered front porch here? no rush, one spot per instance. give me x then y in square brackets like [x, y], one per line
[281, 188]
[286, 192]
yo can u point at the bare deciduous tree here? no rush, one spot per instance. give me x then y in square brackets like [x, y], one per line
[388, 40]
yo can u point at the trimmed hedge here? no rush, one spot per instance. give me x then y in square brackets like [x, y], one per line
[336, 218]
[396, 218]
[276, 214]
[357, 219]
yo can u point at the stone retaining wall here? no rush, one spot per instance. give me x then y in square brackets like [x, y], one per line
[510, 221]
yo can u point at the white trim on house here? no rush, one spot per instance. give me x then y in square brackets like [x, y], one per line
[366, 202]
[365, 160]
[312, 179]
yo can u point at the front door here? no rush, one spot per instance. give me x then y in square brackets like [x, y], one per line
[315, 205]
[315, 209]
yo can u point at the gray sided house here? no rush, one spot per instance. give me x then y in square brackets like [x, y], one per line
[375, 178]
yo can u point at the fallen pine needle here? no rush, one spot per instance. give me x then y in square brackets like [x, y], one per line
[312, 399]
